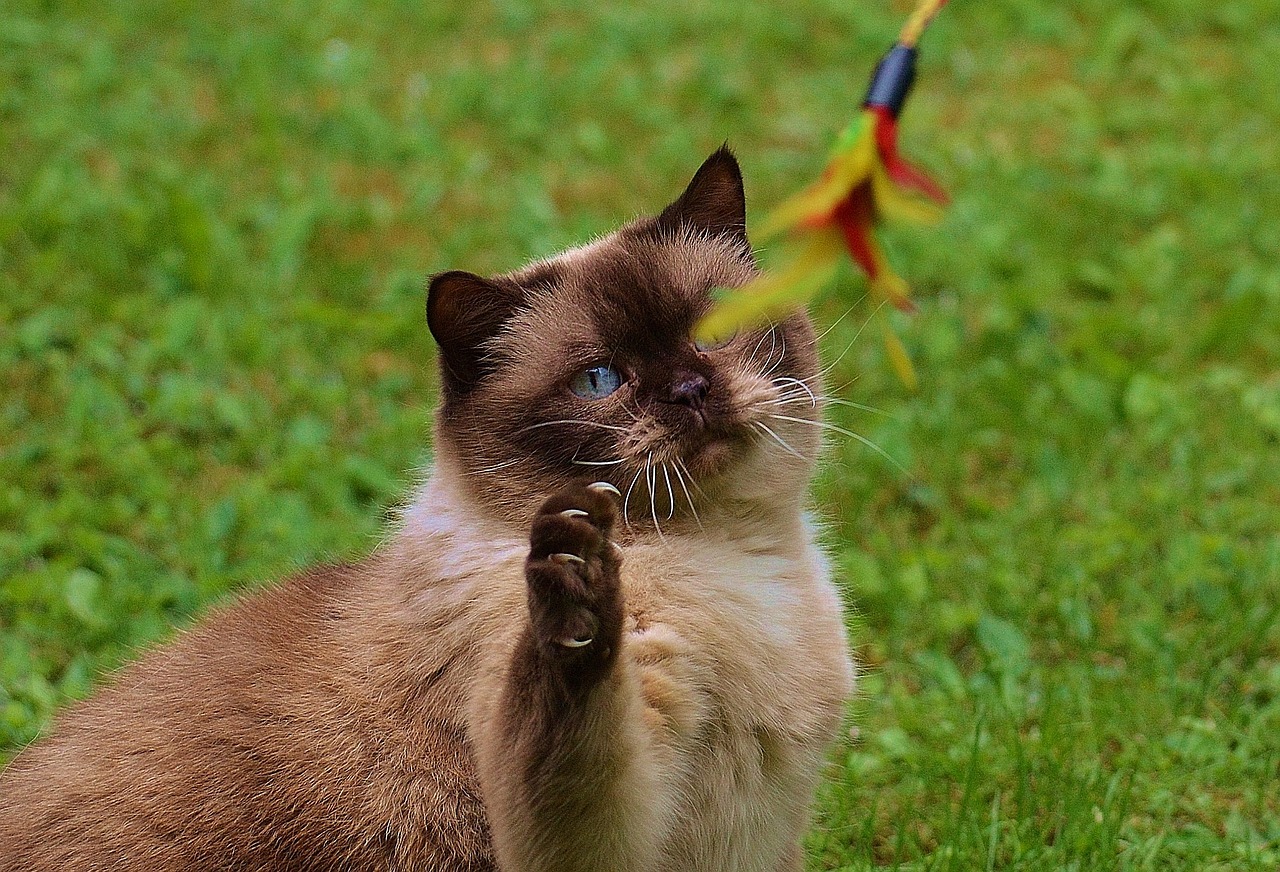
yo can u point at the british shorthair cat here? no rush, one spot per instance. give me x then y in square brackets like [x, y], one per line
[602, 636]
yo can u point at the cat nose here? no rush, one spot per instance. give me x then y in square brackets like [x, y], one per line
[690, 390]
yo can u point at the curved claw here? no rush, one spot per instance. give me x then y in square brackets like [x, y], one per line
[575, 643]
[575, 513]
[604, 486]
[562, 558]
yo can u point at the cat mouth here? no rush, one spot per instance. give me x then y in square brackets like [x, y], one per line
[710, 447]
[713, 456]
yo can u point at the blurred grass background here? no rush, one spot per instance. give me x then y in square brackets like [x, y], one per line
[216, 218]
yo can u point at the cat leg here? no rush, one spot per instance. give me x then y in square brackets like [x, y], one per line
[568, 772]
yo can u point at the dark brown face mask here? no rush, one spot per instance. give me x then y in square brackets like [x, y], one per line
[583, 366]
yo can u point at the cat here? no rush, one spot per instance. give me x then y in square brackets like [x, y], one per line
[601, 636]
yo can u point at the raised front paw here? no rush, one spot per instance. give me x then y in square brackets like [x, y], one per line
[575, 600]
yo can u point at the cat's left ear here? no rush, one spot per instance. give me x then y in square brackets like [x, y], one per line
[714, 202]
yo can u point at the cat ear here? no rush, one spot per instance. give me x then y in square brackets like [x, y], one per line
[714, 202]
[463, 311]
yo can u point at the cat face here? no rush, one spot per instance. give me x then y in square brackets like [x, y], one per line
[583, 367]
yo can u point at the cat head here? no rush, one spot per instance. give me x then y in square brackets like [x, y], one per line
[583, 367]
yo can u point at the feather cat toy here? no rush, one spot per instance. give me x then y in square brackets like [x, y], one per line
[865, 181]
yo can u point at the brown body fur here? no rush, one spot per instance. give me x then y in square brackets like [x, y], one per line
[251, 744]
[416, 711]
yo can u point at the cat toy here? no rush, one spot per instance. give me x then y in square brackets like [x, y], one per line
[866, 180]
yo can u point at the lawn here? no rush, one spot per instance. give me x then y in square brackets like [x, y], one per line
[216, 219]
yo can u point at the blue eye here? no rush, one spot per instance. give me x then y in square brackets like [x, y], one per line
[596, 383]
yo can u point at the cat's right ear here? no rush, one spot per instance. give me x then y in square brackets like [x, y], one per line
[463, 312]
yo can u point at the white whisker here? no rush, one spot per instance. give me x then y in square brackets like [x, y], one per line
[784, 380]
[852, 405]
[635, 416]
[781, 402]
[759, 342]
[675, 466]
[773, 345]
[797, 398]
[489, 470]
[600, 462]
[840, 389]
[826, 425]
[573, 421]
[651, 481]
[785, 445]
[791, 394]
[782, 355]
[827, 370]
[626, 501]
[693, 481]
[835, 323]
[671, 497]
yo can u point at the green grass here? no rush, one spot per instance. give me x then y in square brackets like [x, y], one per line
[215, 220]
